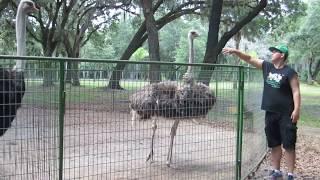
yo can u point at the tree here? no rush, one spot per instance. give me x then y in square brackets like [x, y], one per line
[214, 45]
[3, 5]
[305, 41]
[274, 13]
[50, 22]
[82, 24]
[153, 40]
[169, 14]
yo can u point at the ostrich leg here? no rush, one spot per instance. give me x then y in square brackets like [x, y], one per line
[172, 135]
[154, 128]
[133, 117]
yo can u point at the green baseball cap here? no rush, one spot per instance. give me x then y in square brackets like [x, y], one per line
[281, 48]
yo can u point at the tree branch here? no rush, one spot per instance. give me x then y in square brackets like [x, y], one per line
[95, 29]
[176, 14]
[157, 5]
[226, 36]
[33, 35]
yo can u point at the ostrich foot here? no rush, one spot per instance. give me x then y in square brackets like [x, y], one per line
[168, 163]
[134, 117]
[195, 121]
[150, 157]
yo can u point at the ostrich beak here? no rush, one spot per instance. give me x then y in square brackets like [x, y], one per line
[195, 34]
[36, 8]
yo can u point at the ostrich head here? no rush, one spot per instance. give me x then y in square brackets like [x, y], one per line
[28, 6]
[25, 7]
[193, 34]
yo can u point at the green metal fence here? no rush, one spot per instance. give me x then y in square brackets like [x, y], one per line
[64, 131]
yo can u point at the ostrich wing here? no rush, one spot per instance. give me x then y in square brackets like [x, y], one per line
[167, 99]
[196, 100]
[143, 102]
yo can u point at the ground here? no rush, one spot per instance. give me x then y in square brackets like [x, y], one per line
[308, 151]
[104, 145]
[100, 143]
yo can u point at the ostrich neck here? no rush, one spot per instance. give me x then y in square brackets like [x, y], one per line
[21, 38]
[191, 54]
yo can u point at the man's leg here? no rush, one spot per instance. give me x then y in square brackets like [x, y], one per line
[276, 154]
[272, 131]
[289, 138]
[290, 159]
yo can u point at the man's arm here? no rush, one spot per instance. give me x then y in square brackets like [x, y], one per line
[245, 57]
[294, 83]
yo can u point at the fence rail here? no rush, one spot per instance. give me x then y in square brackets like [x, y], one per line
[83, 130]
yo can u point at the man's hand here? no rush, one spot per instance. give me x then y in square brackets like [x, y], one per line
[245, 57]
[228, 50]
[295, 116]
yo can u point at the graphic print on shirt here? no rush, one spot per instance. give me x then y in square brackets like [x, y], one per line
[274, 80]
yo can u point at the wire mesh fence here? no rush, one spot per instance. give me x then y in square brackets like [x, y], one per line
[29, 148]
[254, 142]
[72, 126]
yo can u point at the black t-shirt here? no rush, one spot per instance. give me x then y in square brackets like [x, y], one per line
[277, 92]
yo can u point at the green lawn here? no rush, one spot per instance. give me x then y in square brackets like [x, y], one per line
[310, 105]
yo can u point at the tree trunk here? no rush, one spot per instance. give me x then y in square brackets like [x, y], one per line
[316, 71]
[136, 42]
[75, 74]
[211, 54]
[68, 73]
[48, 71]
[153, 41]
[72, 74]
[309, 70]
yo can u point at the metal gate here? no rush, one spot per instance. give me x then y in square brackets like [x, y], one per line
[71, 126]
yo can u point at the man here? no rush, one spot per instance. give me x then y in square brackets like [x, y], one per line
[281, 101]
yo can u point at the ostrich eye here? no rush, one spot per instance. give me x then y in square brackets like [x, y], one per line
[29, 4]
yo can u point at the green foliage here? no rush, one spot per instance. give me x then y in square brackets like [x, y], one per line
[274, 15]
[140, 54]
[308, 34]
[169, 37]
[182, 48]
[310, 105]
[120, 36]
[7, 41]
[301, 32]
[98, 47]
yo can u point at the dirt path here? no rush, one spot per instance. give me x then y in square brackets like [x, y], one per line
[308, 156]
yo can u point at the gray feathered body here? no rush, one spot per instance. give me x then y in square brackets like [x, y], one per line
[168, 99]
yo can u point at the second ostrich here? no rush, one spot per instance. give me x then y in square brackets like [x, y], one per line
[171, 100]
[12, 84]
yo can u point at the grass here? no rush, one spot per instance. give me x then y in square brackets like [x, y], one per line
[92, 91]
[310, 105]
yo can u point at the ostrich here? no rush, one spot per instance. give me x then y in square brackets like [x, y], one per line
[12, 85]
[170, 100]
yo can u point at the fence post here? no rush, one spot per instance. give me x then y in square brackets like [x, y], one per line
[240, 122]
[61, 115]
